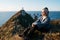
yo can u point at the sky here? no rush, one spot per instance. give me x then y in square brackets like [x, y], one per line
[29, 5]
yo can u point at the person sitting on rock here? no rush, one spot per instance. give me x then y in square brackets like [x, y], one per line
[43, 21]
[40, 24]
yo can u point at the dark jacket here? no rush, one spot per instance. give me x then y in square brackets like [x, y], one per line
[40, 22]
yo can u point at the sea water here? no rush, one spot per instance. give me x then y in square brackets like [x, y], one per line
[5, 16]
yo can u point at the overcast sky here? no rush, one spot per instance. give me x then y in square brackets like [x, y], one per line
[29, 5]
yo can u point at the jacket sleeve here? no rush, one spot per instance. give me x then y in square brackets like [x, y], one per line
[36, 22]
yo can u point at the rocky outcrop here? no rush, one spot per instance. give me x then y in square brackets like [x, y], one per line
[15, 25]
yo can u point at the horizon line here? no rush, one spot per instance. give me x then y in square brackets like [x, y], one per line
[28, 10]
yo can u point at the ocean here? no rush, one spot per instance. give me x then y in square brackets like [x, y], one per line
[5, 16]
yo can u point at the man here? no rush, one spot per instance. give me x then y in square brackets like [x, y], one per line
[41, 23]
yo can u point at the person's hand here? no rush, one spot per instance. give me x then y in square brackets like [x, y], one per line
[32, 25]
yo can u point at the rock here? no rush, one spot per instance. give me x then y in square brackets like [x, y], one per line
[15, 25]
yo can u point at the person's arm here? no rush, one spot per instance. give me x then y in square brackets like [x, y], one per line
[36, 22]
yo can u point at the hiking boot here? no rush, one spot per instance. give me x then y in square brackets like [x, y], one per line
[21, 35]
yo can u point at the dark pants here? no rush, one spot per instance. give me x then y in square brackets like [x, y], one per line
[29, 30]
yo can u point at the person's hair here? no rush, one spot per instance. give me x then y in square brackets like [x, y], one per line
[46, 10]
